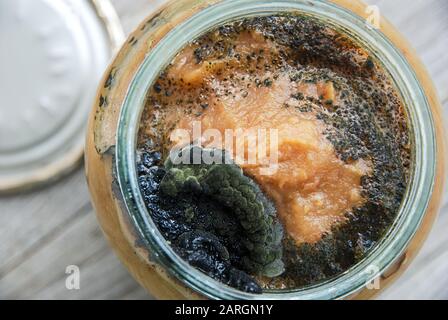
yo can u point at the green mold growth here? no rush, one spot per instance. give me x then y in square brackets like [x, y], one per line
[223, 181]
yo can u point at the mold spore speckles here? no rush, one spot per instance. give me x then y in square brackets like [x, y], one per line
[333, 80]
[110, 79]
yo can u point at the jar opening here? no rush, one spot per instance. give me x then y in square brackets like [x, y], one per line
[421, 126]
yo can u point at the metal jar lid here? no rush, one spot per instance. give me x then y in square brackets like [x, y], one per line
[52, 56]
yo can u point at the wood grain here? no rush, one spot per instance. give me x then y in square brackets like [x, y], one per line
[43, 232]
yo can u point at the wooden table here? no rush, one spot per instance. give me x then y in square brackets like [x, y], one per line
[43, 232]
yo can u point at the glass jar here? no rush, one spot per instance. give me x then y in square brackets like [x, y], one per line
[114, 124]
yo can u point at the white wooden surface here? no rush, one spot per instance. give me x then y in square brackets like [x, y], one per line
[43, 232]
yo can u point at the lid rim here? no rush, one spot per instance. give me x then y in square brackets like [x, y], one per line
[61, 166]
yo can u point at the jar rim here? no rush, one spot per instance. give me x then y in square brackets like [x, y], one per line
[418, 193]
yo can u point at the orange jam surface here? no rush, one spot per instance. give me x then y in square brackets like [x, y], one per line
[312, 188]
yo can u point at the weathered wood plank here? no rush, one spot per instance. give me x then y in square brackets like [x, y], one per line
[133, 12]
[43, 232]
[29, 221]
[424, 24]
[42, 275]
[426, 278]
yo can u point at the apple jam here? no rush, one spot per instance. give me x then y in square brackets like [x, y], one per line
[306, 200]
